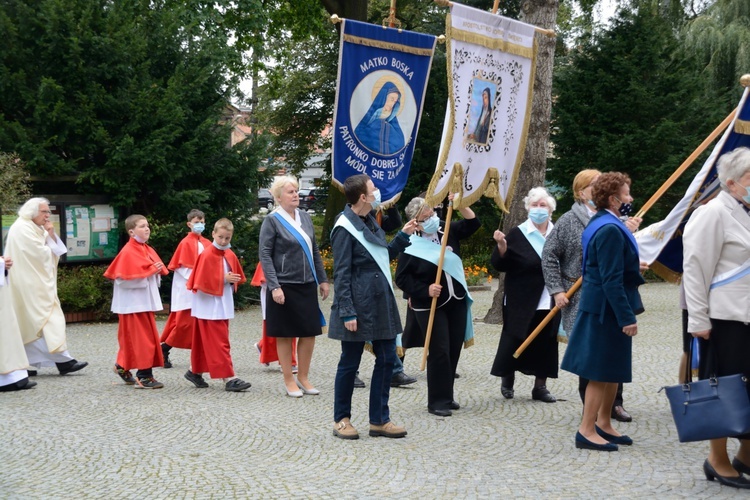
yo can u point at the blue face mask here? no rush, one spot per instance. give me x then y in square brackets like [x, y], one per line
[745, 198]
[199, 227]
[222, 247]
[431, 225]
[591, 204]
[376, 202]
[538, 215]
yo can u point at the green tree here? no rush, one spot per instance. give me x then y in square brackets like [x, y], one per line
[15, 181]
[130, 99]
[626, 100]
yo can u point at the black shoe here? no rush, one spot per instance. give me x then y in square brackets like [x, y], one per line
[358, 384]
[440, 413]
[400, 379]
[125, 375]
[626, 440]
[454, 405]
[237, 385]
[32, 373]
[619, 414]
[28, 385]
[165, 352]
[542, 394]
[196, 379]
[735, 482]
[585, 444]
[507, 392]
[456, 375]
[740, 467]
[71, 366]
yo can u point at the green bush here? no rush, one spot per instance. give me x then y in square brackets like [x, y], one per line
[84, 288]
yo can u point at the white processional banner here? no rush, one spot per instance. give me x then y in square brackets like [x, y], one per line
[491, 61]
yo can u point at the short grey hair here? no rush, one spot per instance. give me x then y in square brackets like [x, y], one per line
[414, 207]
[280, 182]
[733, 165]
[30, 209]
[536, 194]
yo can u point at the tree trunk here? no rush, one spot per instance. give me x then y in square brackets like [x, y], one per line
[348, 9]
[542, 13]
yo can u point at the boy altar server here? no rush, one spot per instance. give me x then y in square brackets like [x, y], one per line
[178, 332]
[137, 272]
[216, 276]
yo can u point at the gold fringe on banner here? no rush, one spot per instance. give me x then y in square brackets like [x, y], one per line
[387, 45]
[492, 43]
[742, 127]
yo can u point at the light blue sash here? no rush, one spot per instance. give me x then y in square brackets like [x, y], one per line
[452, 265]
[293, 231]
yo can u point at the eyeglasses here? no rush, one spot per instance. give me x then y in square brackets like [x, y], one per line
[45, 212]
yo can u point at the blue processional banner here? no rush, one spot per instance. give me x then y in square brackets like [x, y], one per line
[660, 244]
[382, 78]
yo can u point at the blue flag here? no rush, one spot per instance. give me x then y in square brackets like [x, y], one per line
[660, 244]
[382, 79]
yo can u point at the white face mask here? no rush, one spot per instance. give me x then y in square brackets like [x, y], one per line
[376, 202]
[222, 247]
[431, 225]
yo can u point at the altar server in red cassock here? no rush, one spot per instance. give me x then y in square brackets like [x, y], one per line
[216, 276]
[178, 332]
[137, 272]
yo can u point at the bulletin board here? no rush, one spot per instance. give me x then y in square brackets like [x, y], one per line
[91, 232]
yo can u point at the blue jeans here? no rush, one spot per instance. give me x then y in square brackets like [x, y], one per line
[380, 384]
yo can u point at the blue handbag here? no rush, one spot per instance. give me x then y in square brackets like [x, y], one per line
[713, 408]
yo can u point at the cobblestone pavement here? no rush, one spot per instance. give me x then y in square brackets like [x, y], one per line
[87, 435]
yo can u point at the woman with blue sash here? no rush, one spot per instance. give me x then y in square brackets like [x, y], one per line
[294, 271]
[600, 345]
[364, 306]
[526, 301]
[452, 328]
[716, 278]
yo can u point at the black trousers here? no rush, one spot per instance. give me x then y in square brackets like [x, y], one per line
[584, 382]
[448, 332]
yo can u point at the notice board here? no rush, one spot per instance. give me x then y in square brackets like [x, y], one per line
[91, 232]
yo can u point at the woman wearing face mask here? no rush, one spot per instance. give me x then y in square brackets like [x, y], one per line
[526, 300]
[294, 273]
[600, 344]
[561, 264]
[717, 284]
[415, 275]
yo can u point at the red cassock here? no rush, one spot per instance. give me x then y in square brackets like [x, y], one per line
[136, 332]
[178, 332]
[267, 345]
[211, 350]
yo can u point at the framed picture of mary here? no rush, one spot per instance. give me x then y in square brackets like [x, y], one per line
[383, 113]
[479, 121]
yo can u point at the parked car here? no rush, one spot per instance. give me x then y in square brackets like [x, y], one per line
[312, 199]
[265, 199]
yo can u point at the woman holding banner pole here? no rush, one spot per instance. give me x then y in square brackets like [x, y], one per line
[526, 300]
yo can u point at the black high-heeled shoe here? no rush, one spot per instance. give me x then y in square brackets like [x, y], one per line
[740, 467]
[735, 482]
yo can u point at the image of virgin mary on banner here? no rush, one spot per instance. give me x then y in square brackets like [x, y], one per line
[491, 61]
[382, 79]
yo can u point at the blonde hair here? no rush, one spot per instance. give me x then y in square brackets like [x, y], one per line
[132, 221]
[224, 223]
[279, 184]
[30, 209]
[582, 180]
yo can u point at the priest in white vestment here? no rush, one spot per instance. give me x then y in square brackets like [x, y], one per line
[35, 250]
[13, 361]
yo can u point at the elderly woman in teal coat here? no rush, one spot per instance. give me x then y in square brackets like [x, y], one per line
[600, 345]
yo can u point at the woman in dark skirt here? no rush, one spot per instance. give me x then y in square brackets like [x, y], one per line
[294, 270]
[526, 300]
[600, 345]
[717, 286]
